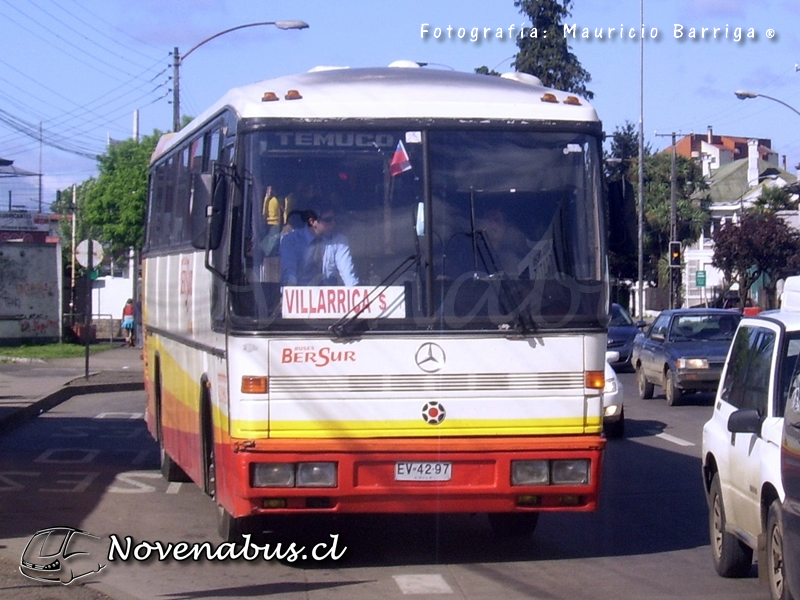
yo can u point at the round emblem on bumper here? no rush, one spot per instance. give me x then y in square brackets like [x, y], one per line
[433, 413]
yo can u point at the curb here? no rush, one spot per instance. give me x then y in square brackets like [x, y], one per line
[64, 393]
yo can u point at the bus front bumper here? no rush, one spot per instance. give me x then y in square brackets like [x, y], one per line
[413, 476]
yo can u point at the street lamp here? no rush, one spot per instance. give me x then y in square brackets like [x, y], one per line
[177, 61]
[744, 95]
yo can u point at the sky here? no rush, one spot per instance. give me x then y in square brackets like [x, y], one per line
[78, 71]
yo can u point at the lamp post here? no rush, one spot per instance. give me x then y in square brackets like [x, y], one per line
[744, 95]
[177, 61]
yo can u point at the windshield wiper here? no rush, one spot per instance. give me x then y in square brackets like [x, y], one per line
[341, 328]
[498, 278]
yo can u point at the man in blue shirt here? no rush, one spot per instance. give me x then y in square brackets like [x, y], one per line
[316, 254]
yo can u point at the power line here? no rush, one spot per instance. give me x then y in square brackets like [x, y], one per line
[70, 46]
[101, 32]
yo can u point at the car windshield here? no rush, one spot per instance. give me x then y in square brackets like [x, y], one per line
[703, 327]
[619, 317]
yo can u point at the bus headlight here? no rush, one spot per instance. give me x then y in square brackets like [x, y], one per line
[272, 475]
[530, 472]
[316, 474]
[570, 472]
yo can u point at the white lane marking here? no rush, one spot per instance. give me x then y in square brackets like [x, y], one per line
[119, 415]
[174, 487]
[670, 438]
[131, 484]
[67, 456]
[422, 584]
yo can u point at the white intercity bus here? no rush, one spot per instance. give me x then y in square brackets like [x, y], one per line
[457, 362]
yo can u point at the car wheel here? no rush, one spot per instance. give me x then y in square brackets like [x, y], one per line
[672, 392]
[731, 556]
[617, 428]
[645, 387]
[776, 571]
[513, 525]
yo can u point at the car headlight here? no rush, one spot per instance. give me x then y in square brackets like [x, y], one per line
[611, 386]
[692, 363]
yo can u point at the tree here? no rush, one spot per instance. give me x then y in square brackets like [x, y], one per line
[114, 206]
[623, 234]
[65, 207]
[484, 70]
[692, 213]
[623, 150]
[623, 165]
[543, 49]
[759, 244]
[773, 199]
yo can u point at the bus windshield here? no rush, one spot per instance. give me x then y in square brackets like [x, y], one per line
[441, 229]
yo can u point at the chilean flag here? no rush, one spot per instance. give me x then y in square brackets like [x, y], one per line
[400, 161]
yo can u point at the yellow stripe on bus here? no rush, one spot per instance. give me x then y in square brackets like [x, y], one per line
[367, 429]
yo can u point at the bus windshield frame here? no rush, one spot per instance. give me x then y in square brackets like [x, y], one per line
[456, 229]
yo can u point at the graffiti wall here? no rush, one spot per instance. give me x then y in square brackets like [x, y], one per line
[30, 299]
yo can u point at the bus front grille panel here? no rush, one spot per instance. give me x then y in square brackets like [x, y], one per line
[492, 382]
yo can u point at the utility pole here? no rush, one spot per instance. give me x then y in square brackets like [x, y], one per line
[72, 266]
[640, 194]
[40, 167]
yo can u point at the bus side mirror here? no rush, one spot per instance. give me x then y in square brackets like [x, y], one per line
[201, 200]
[216, 213]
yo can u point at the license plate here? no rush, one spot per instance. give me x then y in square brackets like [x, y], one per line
[423, 471]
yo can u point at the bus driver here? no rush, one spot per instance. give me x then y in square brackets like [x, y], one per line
[316, 254]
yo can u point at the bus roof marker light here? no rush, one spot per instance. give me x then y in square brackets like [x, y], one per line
[293, 95]
[572, 100]
[269, 97]
[549, 98]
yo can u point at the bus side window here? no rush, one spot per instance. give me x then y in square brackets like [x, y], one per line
[203, 161]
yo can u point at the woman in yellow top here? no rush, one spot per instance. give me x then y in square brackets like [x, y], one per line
[273, 212]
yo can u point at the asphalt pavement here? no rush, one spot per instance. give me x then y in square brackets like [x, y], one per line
[31, 387]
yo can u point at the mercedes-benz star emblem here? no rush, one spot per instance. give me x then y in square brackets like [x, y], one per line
[430, 357]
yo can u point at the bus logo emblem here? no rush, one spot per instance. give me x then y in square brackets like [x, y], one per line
[433, 413]
[430, 357]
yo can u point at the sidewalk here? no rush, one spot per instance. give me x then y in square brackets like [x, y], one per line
[29, 388]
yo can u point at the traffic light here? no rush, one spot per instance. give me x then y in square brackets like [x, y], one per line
[674, 254]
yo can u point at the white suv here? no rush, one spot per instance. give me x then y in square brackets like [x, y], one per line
[742, 445]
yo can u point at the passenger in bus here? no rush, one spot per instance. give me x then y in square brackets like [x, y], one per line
[303, 193]
[316, 254]
[273, 212]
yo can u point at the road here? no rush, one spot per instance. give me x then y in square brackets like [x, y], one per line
[90, 464]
